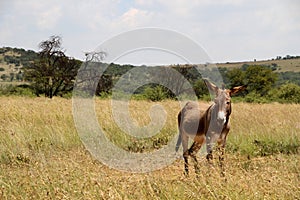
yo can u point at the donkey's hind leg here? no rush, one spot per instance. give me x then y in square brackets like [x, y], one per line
[185, 153]
[196, 146]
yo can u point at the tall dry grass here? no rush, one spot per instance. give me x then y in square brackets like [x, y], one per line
[42, 156]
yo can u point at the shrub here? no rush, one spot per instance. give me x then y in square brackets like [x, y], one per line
[3, 77]
[287, 93]
[200, 89]
[156, 93]
[254, 97]
[21, 90]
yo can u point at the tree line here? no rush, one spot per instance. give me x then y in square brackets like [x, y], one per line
[52, 73]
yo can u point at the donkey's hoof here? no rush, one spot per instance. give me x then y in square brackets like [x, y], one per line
[186, 173]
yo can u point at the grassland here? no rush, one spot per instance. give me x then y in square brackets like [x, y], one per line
[283, 64]
[42, 157]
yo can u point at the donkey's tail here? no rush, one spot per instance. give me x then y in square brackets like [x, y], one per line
[178, 142]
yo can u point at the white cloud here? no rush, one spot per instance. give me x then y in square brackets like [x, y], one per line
[180, 8]
[49, 18]
[228, 29]
[144, 2]
[284, 18]
[33, 14]
[135, 17]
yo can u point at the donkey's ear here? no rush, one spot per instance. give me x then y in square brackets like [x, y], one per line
[236, 90]
[211, 86]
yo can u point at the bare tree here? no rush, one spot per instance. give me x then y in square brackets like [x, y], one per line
[91, 77]
[53, 73]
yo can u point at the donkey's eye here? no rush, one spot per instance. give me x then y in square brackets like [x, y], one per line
[228, 102]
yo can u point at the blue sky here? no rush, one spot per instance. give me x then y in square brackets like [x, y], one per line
[228, 30]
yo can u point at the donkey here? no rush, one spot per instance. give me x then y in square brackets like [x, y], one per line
[211, 125]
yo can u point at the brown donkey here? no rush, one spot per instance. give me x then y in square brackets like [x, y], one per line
[211, 125]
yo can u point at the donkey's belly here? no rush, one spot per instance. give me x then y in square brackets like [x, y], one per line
[190, 128]
[191, 123]
[192, 115]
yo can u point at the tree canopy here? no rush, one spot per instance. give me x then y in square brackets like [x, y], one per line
[53, 73]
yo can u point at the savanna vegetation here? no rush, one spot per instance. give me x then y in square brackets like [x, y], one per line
[42, 156]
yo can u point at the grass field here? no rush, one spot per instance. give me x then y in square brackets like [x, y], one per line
[284, 64]
[42, 157]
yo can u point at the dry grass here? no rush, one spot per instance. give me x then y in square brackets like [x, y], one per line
[285, 65]
[42, 156]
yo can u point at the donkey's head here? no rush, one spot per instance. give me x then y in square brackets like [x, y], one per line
[222, 101]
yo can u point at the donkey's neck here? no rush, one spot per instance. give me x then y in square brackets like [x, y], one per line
[211, 117]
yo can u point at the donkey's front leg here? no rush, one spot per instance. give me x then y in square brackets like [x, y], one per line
[209, 147]
[221, 150]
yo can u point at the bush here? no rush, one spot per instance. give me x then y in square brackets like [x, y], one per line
[156, 93]
[254, 97]
[287, 93]
[21, 90]
[3, 77]
[200, 89]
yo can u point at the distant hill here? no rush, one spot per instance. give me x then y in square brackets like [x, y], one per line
[13, 60]
[282, 64]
